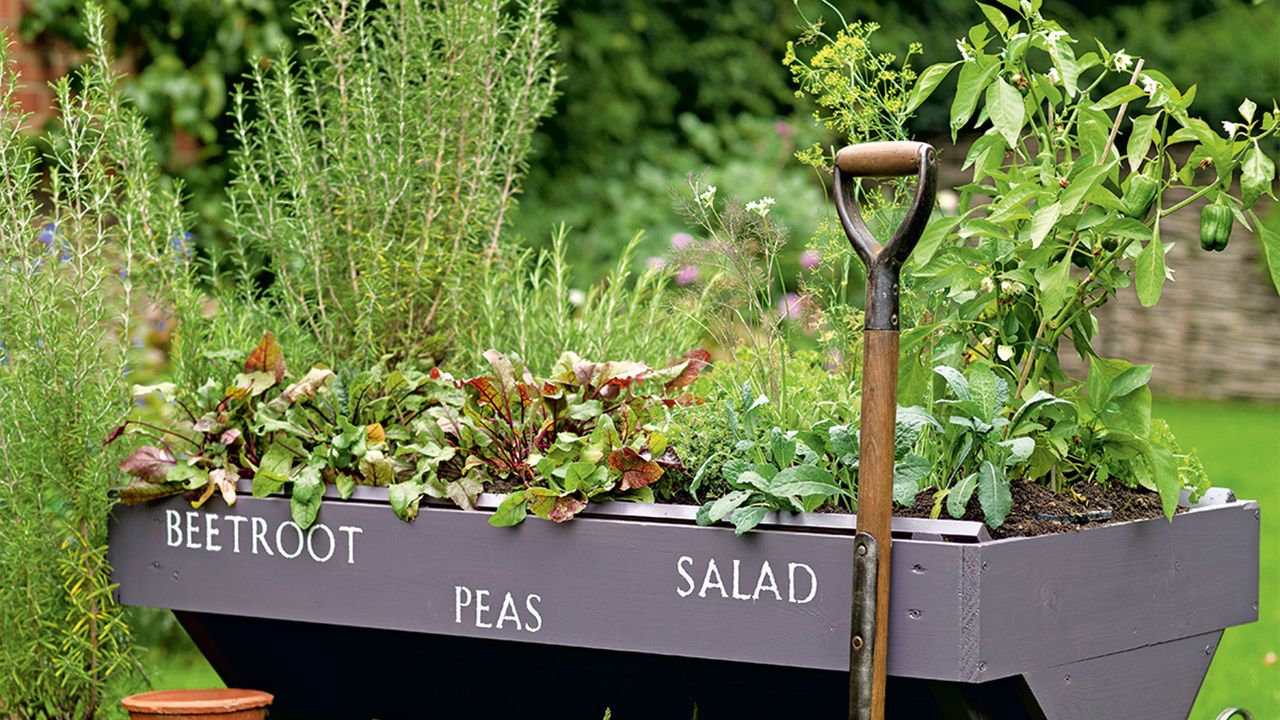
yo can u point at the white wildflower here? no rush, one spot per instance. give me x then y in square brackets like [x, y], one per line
[1231, 128]
[1053, 76]
[966, 53]
[1149, 85]
[761, 206]
[708, 196]
[1122, 61]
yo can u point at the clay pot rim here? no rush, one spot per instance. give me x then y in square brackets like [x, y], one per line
[197, 702]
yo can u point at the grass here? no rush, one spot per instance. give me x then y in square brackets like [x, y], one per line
[1240, 447]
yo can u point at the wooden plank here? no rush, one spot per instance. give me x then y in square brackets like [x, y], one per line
[594, 583]
[1059, 598]
[1157, 682]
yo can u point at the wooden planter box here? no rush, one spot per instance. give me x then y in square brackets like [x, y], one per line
[636, 608]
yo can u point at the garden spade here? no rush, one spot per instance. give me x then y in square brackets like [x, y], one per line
[870, 627]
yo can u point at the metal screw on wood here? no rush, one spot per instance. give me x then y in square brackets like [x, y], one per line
[867, 670]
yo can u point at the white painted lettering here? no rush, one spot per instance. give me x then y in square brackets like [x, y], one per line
[260, 535]
[791, 580]
[280, 539]
[533, 610]
[210, 532]
[706, 580]
[351, 541]
[192, 529]
[172, 528]
[737, 595]
[766, 572]
[481, 608]
[236, 520]
[311, 550]
[684, 574]
[459, 603]
[508, 603]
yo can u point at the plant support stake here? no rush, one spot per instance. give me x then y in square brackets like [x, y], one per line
[868, 645]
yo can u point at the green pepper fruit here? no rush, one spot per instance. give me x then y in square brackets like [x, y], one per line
[1138, 197]
[1215, 227]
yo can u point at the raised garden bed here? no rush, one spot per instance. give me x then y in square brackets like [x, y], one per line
[635, 607]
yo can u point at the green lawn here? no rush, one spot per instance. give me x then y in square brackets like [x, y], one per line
[1240, 447]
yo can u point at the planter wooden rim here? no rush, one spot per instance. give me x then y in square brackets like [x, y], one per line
[197, 702]
[1137, 598]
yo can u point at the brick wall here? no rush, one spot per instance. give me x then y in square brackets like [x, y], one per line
[38, 64]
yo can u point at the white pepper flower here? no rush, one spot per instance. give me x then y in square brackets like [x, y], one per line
[1053, 76]
[1149, 85]
[1004, 352]
[966, 53]
[1055, 35]
[987, 285]
[1230, 128]
[1122, 61]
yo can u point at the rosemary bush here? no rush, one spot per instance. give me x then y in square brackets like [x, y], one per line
[84, 232]
[377, 175]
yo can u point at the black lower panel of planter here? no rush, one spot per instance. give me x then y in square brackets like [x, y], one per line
[323, 672]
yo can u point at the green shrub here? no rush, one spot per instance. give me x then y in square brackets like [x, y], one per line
[376, 179]
[78, 257]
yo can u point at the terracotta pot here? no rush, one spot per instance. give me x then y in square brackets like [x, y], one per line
[211, 704]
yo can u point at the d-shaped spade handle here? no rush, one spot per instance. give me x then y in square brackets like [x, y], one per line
[885, 159]
[868, 655]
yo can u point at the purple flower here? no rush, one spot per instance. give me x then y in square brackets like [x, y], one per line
[655, 263]
[49, 235]
[182, 245]
[810, 260]
[791, 307]
[681, 240]
[688, 275]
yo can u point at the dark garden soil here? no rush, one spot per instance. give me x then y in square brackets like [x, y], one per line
[1037, 510]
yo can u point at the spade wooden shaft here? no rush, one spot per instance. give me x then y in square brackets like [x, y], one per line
[879, 399]
[875, 483]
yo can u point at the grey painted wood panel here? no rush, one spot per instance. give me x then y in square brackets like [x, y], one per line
[1058, 598]
[969, 611]
[1157, 682]
[609, 584]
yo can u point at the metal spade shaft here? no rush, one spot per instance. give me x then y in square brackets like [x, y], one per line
[870, 613]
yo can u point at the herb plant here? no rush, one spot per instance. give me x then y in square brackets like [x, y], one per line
[78, 255]
[375, 175]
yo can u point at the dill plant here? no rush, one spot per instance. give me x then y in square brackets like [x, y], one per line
[375, 176]
[89, 233]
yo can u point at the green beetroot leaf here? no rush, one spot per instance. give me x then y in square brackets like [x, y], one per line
[404, 498]
[511, 511]
[308, 489]
[141, 491]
